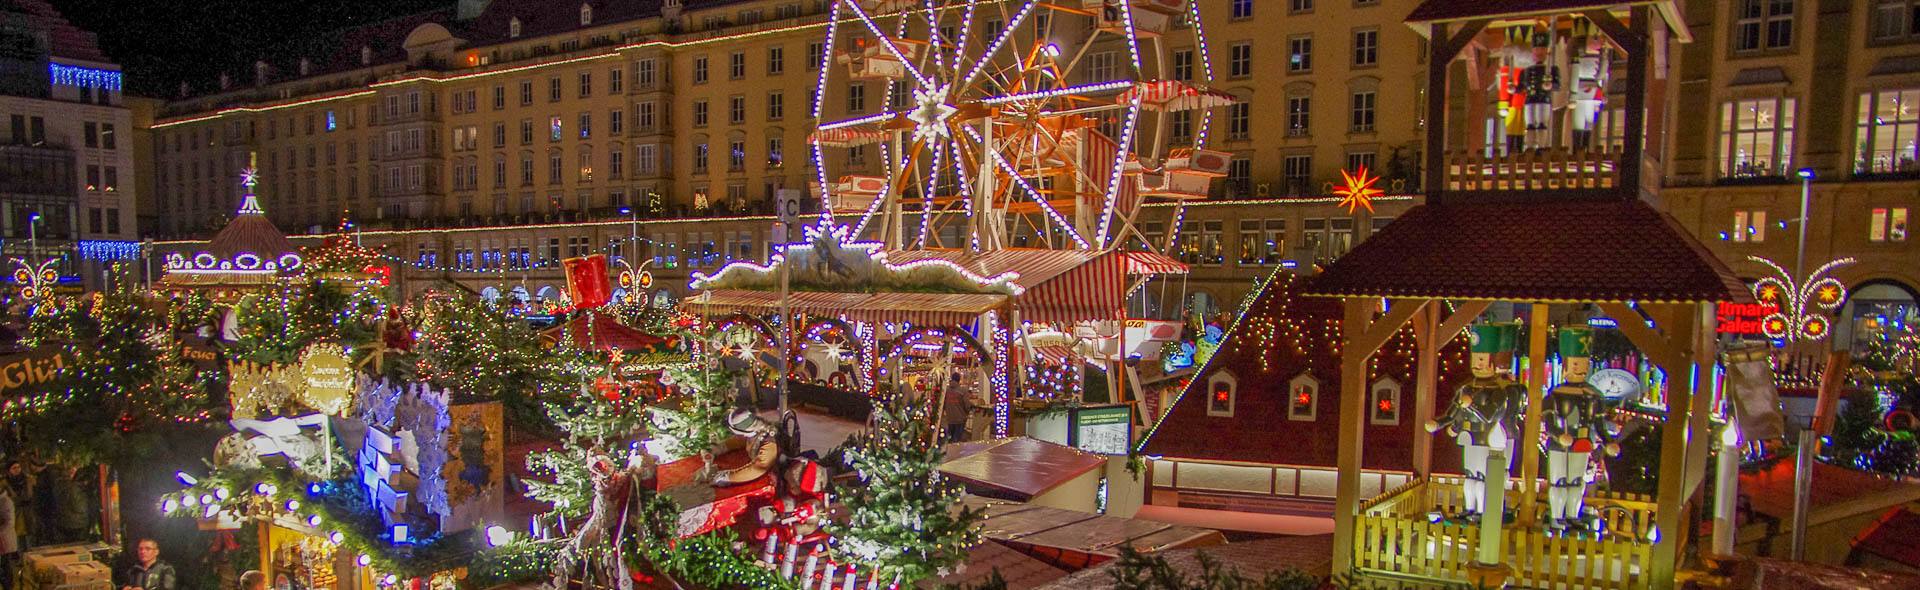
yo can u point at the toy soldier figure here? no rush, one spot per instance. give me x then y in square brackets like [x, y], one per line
[1589, 82]
[1479, 418]
[1577, 421]
[1538, 80]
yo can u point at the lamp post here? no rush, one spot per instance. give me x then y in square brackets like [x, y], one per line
[1726, 489]
[33, 236]
[1806, 195]
[633, 230]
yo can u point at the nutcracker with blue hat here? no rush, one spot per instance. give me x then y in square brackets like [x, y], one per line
[1578, 422]
[1480, 417]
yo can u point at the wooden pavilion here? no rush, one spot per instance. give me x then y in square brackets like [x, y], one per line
[1550, 225]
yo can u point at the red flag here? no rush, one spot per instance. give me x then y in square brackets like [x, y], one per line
[587, 281]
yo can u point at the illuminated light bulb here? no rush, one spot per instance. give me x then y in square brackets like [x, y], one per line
[211, 510]
[184, 478]
[1051, 50]
[262, 488]
[313, 520]
[337, 537]
[222, 493]
[498, 535]
[206, 498]
[189, 501]
[293, 505]
[169, 506]
[364, 560]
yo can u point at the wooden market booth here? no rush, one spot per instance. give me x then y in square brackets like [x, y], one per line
[1560, 224]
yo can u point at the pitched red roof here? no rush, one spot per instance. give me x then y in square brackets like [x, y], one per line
[593, 331]
[1283, 336]
[1550, 251]
[1892, 537]
[250, 232]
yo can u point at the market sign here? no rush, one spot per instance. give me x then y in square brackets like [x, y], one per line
[1748, 318]
[1105, 430]
[31, 371]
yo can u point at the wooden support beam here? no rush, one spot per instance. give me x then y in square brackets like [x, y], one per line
[1431, 334]
[1530, 425]
[1656, 347]
[1670, 514]
[1704, 351]
[1364, 336]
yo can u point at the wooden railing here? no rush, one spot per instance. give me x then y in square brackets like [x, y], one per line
[1396, 537]
[1554, 169]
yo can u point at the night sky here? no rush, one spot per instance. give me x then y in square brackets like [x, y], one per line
[160, 43]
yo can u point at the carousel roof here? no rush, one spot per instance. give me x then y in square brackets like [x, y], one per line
[250, 231]
[1554, 251]
[250, 250]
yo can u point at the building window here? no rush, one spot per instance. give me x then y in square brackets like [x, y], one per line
[700, 70]
[643, 73]
[1299, 116]
[774, 158]
[1297, 173]
[700, 113]
[526, 131]
[776, 107]
[1303, 398]
[553, 89]
[1222, 391]
[555, 126]
[554, 167]
[736, 155]
[616, 82]
[700, 158]
[1366, 47]
[736, 110]
[1749, 226]
[1183, 64]
[586, 125]
[1103, 66]
[1251, 250]
[1358, 160]
[1275, 241]
[643, 116]
[1299, 54]
[1756, 137]
[90, 134]
[736, 66]
[643, 159]
[1762, 24]
[1889, 132]
[856, 98]
[526, 170]
[1889, 225]
[616, 123]
[1181, 127]
[1362, 121]
[1339, 238]
[1240, 61]
[1239, 177]
[1299, 6]
[815, 52]
[1242, 9]
[586, 84]
[1239, 120]
[776, 61]
[1896, 19]
[1384, 407]
[526, 93]
[1210, 250]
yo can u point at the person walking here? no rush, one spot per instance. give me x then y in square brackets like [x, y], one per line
[9, 540]
[20, 485]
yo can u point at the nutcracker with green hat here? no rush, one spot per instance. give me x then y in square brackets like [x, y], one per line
[1479, 419]
[1578, 422]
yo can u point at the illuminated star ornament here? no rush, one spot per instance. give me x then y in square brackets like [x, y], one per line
[1356, 190]
[1802, 302]
[930, 117]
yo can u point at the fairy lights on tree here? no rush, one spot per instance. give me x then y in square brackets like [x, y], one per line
[903, 517]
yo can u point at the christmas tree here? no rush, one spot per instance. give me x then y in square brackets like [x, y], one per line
[903, 516]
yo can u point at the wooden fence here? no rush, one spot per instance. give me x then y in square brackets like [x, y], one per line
[1397, 537]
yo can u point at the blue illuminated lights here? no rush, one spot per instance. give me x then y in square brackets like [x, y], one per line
[64, 75]
[109, 250]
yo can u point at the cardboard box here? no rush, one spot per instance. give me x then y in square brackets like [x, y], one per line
[82, 572]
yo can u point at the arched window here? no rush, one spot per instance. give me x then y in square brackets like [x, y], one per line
[1222, 390]
[1303, 398]
[1384, 404]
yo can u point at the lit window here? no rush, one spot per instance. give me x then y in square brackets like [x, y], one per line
[1300, 54]
[1749, 226]
[1888, 132]
[1303, 398]
[1889, 225]
[1385, 402]
[1221, 392]
[1756, 137]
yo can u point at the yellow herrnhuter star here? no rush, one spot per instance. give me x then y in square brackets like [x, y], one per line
[1356, 190]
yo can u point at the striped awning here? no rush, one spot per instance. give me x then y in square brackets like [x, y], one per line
[940, 309]
[1058, 355]
[1060, 285]
[1154, 263]
[846, 137]
[1174, 95]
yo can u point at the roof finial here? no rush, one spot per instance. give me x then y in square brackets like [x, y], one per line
[248, 178]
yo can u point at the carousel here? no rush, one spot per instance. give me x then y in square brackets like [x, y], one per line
[247, 255]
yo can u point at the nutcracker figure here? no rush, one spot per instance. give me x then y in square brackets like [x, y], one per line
[1512, 102]
[1589, 93]
[1537, 81]
[1480, 417]
[1577, 423]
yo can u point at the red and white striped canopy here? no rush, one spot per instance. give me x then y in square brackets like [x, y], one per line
[1153, 263]
[1174, 95]
[846, 137]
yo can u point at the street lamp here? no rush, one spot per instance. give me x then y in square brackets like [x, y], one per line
[633, 230]
[33, 236]
[1806, 194]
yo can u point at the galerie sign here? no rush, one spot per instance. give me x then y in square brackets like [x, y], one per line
[1746, 318]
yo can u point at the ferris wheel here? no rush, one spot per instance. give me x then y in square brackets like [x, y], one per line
[1015, 123]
